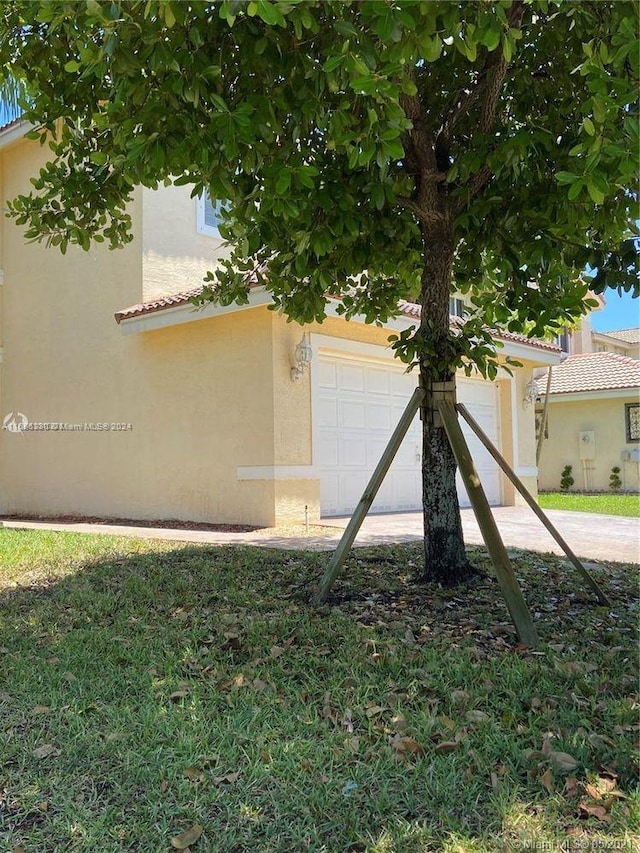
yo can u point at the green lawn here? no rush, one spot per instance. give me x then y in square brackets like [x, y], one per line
[606, 504]
[151, 689]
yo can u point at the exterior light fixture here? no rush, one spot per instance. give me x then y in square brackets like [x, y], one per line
[531, 394]
[301, 358]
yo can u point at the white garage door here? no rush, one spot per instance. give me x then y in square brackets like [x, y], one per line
[357, 405]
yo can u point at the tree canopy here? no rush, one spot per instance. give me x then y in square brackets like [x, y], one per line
[330, 128]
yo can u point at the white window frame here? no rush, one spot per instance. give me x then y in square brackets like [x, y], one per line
[201, 224]
[456, 306]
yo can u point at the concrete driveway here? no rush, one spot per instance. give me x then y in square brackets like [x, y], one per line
[594, 537]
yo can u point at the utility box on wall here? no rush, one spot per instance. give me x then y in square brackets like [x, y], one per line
[587, 444]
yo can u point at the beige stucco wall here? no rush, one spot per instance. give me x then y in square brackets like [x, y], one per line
[606, 418]
[175, 257]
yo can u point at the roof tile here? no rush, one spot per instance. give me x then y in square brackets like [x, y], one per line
[631, 336]
[409, 309]
[594, 371]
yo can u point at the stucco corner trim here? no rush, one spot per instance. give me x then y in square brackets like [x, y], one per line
[277, 472]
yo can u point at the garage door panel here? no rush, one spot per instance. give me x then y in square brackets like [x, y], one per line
[327, 414]
[378, 381]
[327, 374]
[328, 449]
[352, 414]
[352, 452]
[351, 377]
[379, 417]
[355, 420]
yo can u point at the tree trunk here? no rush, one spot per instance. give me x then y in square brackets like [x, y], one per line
[445, 557]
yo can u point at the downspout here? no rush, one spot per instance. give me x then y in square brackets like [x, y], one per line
[543, 422]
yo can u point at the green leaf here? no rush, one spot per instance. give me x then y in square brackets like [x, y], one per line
[432, 48]
[596, 194]
[169, 17]
[332, 63]
[566, 177]
[269, 13]
[575, 189]
[589, 126]
[284, 182]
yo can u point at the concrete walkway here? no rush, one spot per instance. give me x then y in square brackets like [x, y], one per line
[594, 537]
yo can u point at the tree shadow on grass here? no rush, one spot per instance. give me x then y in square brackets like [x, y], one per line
[147, 692]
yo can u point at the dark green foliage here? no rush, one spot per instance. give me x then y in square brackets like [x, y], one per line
[566, 480]
[615, 483]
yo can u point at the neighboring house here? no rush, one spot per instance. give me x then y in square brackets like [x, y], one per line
[593, 421]
[623, 342]
[205, 420]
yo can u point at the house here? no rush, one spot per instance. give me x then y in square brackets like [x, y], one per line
[623, 342]
[593, 419]
[120, 400]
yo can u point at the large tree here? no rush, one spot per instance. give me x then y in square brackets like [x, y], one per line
[363, 150]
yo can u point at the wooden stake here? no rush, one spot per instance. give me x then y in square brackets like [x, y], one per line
[511, 474]
[360, 512]
[504, 570]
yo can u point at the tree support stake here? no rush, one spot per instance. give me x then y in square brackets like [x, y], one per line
[511, 474]
[504, 570]
[368, 496]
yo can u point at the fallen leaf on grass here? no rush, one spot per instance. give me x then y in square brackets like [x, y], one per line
[406, 745]
[563, 761]
[477, 716]
[46, 750]
[353, 745]
[276, 651]
[39, 709]
[587, 810]
[374, 710]
[570, 787]
[194, 774]
[546, 780]
[178, 694]
[458, 697]
[399, 723]
[228, 779]
[183, 841]
[446, 747]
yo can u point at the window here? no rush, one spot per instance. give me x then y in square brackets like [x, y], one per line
[632, 421]
[563, 341]
[208, 217]
[456, 307]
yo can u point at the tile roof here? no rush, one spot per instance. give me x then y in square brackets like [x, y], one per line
[594, 371]
[409, 309]
[159, 304]
[631, 336]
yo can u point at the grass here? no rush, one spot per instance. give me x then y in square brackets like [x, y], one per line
[605, 504]
[149, 689]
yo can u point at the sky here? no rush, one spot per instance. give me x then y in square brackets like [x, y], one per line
[620, 312]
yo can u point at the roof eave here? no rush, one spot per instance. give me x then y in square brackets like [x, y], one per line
[14, 132]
